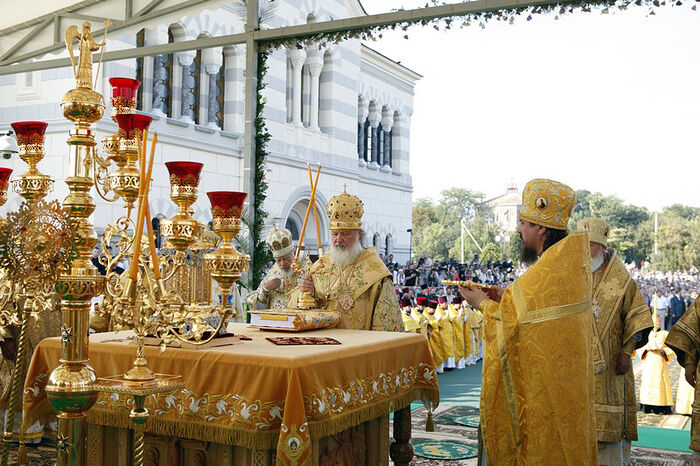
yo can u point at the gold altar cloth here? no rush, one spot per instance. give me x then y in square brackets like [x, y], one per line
[257, 394]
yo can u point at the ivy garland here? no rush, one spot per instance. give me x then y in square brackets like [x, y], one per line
[509, 16]
[261, 255]
[262, 136]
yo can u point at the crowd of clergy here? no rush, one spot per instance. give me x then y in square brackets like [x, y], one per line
[454, 329]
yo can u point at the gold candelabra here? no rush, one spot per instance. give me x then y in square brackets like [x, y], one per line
[140, 300]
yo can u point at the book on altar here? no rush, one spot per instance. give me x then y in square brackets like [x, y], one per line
[294, 320]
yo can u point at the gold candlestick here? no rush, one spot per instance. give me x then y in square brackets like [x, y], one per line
[31, 185]
[70, 388]
[182, 230]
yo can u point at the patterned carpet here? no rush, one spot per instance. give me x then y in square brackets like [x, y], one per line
[447, 429]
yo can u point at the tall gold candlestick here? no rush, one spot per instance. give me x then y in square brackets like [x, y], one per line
[70, 388]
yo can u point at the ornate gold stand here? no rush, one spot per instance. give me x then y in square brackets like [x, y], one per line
[71, 388]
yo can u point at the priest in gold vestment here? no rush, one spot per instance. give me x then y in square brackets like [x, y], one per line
[349, 278]
[621, 324]
[537, 391]
[281, 279]
[684, 340]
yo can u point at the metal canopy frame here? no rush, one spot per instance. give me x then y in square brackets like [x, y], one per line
[251, 37]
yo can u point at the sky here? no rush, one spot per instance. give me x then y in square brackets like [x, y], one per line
[607, 103]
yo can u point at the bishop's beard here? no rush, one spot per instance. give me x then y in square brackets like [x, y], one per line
[597, 261]
[345, 257]
[528, 255]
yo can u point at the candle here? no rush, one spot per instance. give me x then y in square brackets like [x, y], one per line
[318, 229]
[147, 211]
[306, 218]
[140, 143]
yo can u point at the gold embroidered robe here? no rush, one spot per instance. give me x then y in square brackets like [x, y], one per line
[475, 322]
[419, 316]
[620, 312]
[410, 324]
[448, 336]
[363, 292]
[278, 298]
[459, 326]
[436, 337]
[684, 340]
[537, 394]
[655, 385]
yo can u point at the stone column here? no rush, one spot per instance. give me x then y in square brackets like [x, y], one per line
[362, 112]
[233, 82]
[154, 90]
[374, 118]
[315, 64]
[181, 88]
[298, 57]
[147, 84]
[212, 60]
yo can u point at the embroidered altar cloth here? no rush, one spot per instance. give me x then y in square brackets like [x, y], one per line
[256, 394]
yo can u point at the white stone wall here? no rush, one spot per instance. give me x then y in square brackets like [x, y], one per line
[344, 73]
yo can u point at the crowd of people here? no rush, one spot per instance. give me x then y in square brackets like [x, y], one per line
[675, 291]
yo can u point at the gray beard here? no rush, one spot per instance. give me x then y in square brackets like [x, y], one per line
[343, 258]
[597, 262]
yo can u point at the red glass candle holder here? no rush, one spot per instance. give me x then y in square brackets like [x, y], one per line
[30, 137]
[132, 123]
[4, 182]
[182, 230]
[226, 210]
[123, 95]
[226, 264]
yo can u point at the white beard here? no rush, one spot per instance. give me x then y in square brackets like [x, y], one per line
[597, 262]
[344, 257]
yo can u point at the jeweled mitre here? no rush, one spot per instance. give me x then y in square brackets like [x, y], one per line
[345, 212]
[547, 203]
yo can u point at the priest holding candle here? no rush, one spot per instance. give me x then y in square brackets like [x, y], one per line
[351, 279]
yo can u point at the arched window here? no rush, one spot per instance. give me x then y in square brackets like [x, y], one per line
[376, 241]
[389, 244]
[292, 226]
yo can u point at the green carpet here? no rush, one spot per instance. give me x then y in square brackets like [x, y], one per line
[669, 439]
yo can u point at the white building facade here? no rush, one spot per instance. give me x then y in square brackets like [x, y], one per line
[344, 106]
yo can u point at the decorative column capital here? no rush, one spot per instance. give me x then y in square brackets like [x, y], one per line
[374, 118]
[297, 56]
[186, 58]
[315, 64]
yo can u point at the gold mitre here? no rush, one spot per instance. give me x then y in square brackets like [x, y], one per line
[547, 203]
[597, 228]
[280, 242]
[345, 212]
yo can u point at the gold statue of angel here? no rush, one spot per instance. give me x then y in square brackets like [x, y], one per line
[86, 45]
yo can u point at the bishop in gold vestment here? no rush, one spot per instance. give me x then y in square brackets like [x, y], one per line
[351, 279]
[621, 324]
[537, 392]
[684, 340]
[281, 279]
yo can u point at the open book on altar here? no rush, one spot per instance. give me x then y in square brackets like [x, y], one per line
[293, 320]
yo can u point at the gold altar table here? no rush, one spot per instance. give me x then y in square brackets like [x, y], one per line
[255, 399]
